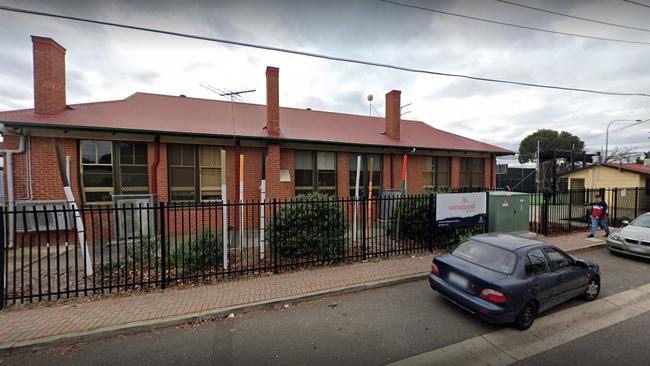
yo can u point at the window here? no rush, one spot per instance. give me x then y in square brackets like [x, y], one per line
[471, 172]
[487, 256]
[97, 170]
[364, 176]
[182, 173]
[134, 177]
[194, 172]
[210, 172]
[536, 263]
[436, 171]
[315, 171]
[558, 260]
[100, 170]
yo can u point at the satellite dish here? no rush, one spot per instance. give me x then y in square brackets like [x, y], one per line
[370, 97]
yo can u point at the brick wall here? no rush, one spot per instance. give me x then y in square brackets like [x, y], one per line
[343, 174]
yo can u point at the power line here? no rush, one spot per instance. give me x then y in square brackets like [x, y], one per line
[512, 24]
[637, 3]
[321, 56]
[574, 16]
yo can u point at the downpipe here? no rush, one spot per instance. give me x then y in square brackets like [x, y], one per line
[9, 154]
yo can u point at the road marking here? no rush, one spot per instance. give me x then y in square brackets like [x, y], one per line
[509, 345]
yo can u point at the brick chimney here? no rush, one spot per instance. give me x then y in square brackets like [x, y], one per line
[272, 101]
[393, 114]
[49, 76]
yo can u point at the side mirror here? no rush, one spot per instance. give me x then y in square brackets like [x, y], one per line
[625, 222]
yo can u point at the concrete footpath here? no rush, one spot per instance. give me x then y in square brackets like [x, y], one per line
[48, 324]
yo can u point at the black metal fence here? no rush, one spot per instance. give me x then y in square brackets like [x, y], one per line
[56, 252]
[566, 211]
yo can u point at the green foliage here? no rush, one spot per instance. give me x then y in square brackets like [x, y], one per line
[311, 224]
[461, 234]
[411, 219]
[548, 139]
[201, 251]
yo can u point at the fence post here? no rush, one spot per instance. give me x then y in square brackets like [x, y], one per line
[163, 249]
[274, 239]
[432, 220]
[545, 209]
[486, 224]
[570, 203]
[364, 213]
[636, 202]
[614, 211]
[2, 258]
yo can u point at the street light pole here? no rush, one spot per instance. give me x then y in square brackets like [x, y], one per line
[607, 133]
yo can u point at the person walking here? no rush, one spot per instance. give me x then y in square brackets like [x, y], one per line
[599, 216]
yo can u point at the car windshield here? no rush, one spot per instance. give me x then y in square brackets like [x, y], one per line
[642, 221]
[488, 256]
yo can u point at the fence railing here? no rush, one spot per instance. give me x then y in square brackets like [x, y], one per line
[126, 248]
[553, 213]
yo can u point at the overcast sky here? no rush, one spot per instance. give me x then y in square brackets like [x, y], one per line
[106, 63]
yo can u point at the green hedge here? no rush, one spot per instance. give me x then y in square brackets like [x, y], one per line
[310, 224]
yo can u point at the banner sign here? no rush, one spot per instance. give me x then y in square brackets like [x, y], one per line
[460, 209]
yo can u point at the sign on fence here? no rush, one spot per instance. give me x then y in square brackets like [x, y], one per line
[460, 209]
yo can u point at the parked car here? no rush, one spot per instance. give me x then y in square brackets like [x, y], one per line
[509, 279]
[633, 239]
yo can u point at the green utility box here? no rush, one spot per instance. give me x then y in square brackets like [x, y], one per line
[508, 211]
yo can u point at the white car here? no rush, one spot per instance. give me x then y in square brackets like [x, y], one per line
[633, 239]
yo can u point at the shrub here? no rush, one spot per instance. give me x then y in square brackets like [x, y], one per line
[201, 251]
[310, 224]
[411, 219]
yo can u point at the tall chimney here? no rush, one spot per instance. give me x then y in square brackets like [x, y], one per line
[272, 101]
[393, 114]
[49, 76]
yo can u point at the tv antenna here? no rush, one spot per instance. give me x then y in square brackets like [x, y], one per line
[402, 107]
[233, 95]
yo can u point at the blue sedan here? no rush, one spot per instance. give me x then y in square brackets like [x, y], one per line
[508, 279]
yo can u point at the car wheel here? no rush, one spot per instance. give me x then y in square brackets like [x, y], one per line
[526, 316]
[592, 290]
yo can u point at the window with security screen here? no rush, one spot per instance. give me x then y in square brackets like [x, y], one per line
[315, 171]
[103, 174]
[471, 172]
[97, 170]
[210, 172]
[133, 170]
[436, 171]
[182, 172]
[194, 173]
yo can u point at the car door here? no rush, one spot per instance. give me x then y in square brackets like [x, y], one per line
[572, 277]
[544, 282]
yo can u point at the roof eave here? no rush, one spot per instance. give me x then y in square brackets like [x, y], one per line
[258, 138]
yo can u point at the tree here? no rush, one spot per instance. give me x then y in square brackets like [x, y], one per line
[548, 140]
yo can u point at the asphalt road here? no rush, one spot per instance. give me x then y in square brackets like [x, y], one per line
[367, 328]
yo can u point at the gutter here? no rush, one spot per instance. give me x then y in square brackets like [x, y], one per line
[244, 137]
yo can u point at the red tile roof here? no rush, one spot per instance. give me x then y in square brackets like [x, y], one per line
[144, 112]
[632, 167]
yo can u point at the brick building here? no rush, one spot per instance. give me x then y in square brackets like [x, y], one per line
[173, 146]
